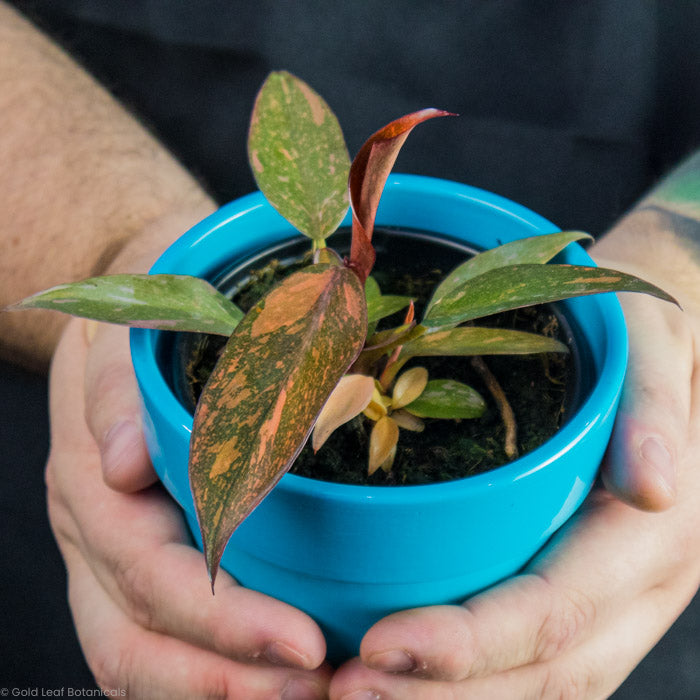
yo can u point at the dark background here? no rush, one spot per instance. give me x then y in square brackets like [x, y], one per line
[572, 108]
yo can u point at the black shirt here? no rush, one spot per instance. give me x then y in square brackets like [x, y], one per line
[571, 108]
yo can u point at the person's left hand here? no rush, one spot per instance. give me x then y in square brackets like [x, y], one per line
[590, 606]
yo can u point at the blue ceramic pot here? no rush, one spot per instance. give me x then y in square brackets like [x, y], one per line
[348, 555]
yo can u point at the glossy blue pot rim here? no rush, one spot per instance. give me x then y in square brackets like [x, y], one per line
[601, 399]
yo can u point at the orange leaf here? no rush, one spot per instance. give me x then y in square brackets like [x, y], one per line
[382, 444]
[349, 398]
[409, 386]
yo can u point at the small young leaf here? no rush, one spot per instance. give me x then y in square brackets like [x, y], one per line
[472, 340]
[263, 397]
[385, 305]
[298, 155]
[409, 386]
[368, 173]
[515, 286]
[447, 398]
[408, 421]
[349, 398]
[165, 302]
[382, 444]
[372, 290]
[532, 250]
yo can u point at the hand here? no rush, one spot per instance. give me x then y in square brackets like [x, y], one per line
[590, 606]
[139, 593]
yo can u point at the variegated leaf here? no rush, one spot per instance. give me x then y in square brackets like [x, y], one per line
[165, 302]
[531, 250]
[368, 173]
[298, 155]
[265, 393]
[447, 398]
[473, 340]
[515, 286]
[349, 398]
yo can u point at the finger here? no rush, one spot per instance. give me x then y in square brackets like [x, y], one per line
[160, 582]
[592, 670]
[145, 564]
[651, 427]
[148, 665]
[113, 410]
[555, 605]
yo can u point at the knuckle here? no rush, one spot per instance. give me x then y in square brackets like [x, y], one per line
[105, 390]
[60, 519]
[112, 667]
[562, 684]
[136, 585]
[571, 614]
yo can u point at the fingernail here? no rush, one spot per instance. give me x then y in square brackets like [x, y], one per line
[394, 661]
[281, 654]
[362, 695]
[655, 453]
[119, 443]
[299, 689]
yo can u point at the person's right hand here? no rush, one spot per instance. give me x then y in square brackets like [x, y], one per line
[141, 601]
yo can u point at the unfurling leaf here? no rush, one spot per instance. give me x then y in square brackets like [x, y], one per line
[368, 175]
[473, 340]
[263, 397]
[298, 155]
[409, 386]
[532, 250]
[349, 398]
[514, 286]
[447, 398]
[165, 302]
[382, 444]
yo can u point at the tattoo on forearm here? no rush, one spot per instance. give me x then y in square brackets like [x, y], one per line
[677, 199]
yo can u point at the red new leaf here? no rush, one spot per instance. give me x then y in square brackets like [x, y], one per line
[368, 175]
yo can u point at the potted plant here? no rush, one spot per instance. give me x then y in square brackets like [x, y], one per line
[351, 554]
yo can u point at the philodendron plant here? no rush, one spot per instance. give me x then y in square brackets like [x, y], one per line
[313, 351]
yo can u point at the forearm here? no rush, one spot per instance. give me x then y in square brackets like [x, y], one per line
[84, 187]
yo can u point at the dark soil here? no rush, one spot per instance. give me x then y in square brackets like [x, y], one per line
[539, 389]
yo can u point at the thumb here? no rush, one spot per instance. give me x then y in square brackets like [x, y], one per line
[652, 423]
[112, 409]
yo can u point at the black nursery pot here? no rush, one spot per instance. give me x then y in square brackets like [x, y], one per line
[346, 554]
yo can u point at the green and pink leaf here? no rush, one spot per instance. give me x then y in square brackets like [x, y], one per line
[298, 155]
[263, 397]
[532, 250]
[165, 302]
[475, 340]
[515, 286]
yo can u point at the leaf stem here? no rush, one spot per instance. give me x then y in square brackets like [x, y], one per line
[504, 407]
